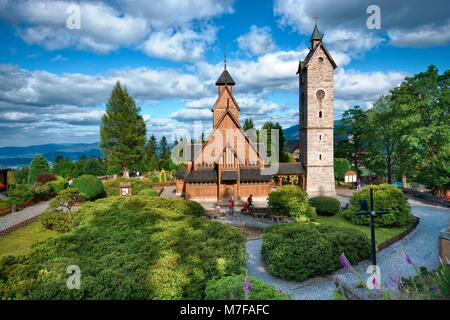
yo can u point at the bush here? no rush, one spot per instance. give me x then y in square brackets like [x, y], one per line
[137, 185]
[291, 201]
[57, 220]
[91, 186]
[326, 206]
[148, 193]
[231, 288]
[300, 251]
[45, 177]
[19, 194]
[58, 184]
[386, 198]
[66, 199]
[129, 248]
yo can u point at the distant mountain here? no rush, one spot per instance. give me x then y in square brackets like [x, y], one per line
[13, 157]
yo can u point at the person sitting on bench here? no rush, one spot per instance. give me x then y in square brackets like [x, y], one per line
[244, 209]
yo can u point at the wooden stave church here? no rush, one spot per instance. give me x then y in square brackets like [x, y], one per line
[204, 182]
[208, 178]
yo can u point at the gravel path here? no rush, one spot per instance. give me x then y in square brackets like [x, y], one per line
[13, 219]
[421, 245]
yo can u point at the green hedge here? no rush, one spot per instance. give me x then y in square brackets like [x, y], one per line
[60, 221]
[291, 201]
[326, 206]
[148, 193]
[300, 251]
[386, 198]
[129, 248]
[137, 185]
[231, 288]
[90, 185]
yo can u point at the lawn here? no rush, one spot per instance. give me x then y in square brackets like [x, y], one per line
[20, 241]
[381, 234]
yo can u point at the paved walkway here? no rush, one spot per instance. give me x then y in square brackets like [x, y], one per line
[421, 245]
[13, 219]
[169, 192]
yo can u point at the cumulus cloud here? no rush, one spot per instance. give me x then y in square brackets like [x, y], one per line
[256, 41]
[181, 45]
[413, 23]
[107, 26]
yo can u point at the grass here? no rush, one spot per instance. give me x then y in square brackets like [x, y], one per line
[381, 234]
[20, 241]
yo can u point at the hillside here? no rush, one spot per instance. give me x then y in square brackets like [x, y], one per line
[13, 157]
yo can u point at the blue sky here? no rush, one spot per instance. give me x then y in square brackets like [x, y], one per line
[54, 81]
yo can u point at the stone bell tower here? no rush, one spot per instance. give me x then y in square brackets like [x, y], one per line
[316, 106]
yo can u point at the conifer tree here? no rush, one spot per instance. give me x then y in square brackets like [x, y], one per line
[122, 132]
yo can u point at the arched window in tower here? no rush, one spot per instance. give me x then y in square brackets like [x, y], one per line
[320, 137]
[320, 156]
[320, 114]
[320, 60]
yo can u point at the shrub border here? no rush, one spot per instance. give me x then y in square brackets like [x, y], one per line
[400, 236]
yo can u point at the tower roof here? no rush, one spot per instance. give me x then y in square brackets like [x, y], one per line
[225, 79]
[316, 35]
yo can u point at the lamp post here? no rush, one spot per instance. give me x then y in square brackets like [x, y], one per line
[363, 207]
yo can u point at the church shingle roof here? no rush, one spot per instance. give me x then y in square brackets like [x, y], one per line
[225, 79]
[201, 175]
[253, 175]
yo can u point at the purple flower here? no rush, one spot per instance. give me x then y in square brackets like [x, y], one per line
[436, 289]
[344, 262]
[247, 284]
[408, 259]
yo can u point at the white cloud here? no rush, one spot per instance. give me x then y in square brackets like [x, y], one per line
[190, 115]
[413, 23]
[180, 45]
[257, 41]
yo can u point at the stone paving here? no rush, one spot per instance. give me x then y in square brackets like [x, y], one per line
[13, 219]
[169, 192]
[421, 245]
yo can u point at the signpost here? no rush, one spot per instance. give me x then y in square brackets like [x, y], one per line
[363, 206]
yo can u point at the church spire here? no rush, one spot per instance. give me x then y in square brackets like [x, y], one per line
[225, 78]
[316, 36]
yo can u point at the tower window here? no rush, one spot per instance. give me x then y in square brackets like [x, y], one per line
[320, 137]
[321, 60]
[320, 114]
[320, 156]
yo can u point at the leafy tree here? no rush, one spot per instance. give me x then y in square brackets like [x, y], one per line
[11, 178]
[22, 175]
[38, 165]
[122, 132]
[248, 124]
[354, 126]
[63, 167]
[341, 166]
[422, 102]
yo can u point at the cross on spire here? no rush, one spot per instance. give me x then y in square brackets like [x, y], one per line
[225, 57]
[316, 18]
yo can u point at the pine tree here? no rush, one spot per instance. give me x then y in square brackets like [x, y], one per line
[248, 124]
[122, 132]
[150, 148]
[164, 149]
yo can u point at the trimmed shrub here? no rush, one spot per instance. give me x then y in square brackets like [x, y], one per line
[300, 251]
[148, 193]
[57, 220]
[66, 199]
[20, 193]
[91, 186]
[45, 177]
[41, 192]
[386, 198]
[129, 248]
[231, 288]
[112, 186]
[293, 202]
[326, 206]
